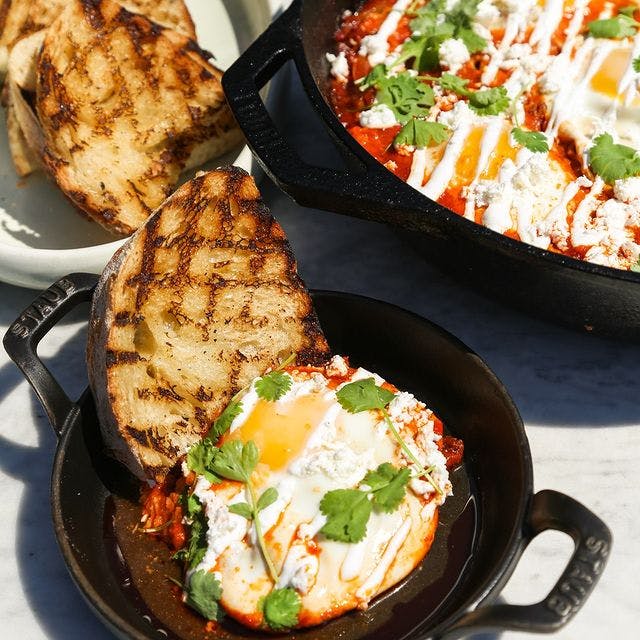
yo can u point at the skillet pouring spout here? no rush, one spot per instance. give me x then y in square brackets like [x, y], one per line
[450, 596]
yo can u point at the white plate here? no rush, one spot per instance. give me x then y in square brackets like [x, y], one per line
[42, 237]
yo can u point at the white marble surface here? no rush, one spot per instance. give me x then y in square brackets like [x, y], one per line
[578, 396]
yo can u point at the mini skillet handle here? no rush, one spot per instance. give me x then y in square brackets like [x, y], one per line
[550, 510]
[349, 192]
[22, 338]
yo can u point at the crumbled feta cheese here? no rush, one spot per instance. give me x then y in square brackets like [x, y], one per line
[487, 14]
[453, 54]
[223, 527]
[333, 460]
[627, 190]
[378, 117]
[339, 66]
[337, 367]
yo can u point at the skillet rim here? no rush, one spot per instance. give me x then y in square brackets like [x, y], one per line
[496, 578]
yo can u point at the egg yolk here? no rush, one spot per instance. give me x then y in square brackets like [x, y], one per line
[281, 430]
[607, 79]
[467, 163]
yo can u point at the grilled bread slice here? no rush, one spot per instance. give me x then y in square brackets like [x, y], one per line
[19, 18]
[124, 105]
[203, 298]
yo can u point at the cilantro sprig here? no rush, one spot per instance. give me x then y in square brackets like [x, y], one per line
[535, 141]
[636, 64]
[613, 161]
[196, 548]
[430, 31]
[203, 594]
[403, 93]
[621, 26]
[273, 385]
[348, 510]
[486, 102]
[421, 134]
[365, 395]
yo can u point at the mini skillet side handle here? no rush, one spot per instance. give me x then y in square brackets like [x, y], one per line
[352, 192]
[592, 538]
[22, 338]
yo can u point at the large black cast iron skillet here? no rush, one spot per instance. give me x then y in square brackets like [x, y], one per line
[562, 289]
[484, 528]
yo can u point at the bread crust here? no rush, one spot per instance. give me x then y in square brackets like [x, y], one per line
[202, 299]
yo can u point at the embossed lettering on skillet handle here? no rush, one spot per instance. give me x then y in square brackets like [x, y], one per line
[24, 334]
[592, 538]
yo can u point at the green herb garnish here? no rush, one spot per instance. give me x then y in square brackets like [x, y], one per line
[364, 395]
[487, 102]
[430, 31]
[273, 385]
[636, 64]
[421, 134]
[535, 141]
[281, 609]
[200, 459]
[196, 548]
[621, 26]
[203, 594]
[236, 461]
[348, 510]
[224, 420]
[613, 161]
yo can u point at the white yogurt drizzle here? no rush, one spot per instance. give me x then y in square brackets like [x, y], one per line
[546, 25]
[418, 167]
[352, 563]
[579, 232]
[628, 83]
[376, 46]
[490, 139]
[371, 585]
[444, 171]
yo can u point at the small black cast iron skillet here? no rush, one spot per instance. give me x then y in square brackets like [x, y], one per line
[562, 289]
[484, 528]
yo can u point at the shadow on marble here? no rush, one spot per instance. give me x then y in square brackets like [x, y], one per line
[44, 580]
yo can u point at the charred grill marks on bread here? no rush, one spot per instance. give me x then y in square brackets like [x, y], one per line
[201, 300]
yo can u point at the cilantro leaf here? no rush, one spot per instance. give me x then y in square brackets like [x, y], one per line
[200, 459]
[377, 75]
[281, 609]
[273, 386]
[203, 593]
[363, 395]
[241, 509]
[347, 512]
[236, 461]
[636, 64]
[621, 26]
[489, 102]
[196, 548]
[267, 498]
[471, 39]
[636, 267]
[535, 141]
[629, 10]
[406, 96]
[224, 420]
[613, 161]
[424, 49]
[388, 486]
[421, 134]
[450, 82]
